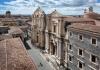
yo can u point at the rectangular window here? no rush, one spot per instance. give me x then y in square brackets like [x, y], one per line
[70, 47]
[80, 52]
[70, 58]
[68, 69]
[80, 37]
[93, 58]
[94, 41]
[80, 65]
[70, 33]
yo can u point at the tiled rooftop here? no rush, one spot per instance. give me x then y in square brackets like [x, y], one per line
[8, 19]
[15, 30]
[13, 56]
[93, 15]
[5, 36]
[85, 27]
[77, 19]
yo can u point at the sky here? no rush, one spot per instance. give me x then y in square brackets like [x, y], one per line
[65, 7]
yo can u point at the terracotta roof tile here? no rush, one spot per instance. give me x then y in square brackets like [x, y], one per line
[15, 30]
[93, 15]
[86, 27]
[8, 19]
[5, 36]
[13, 56]
[73, 19]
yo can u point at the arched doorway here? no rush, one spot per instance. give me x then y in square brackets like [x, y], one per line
[53, 49]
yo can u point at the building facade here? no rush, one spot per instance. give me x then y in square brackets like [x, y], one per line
[8, 20]
[38, 28]
[49, 31]
[83, 47]
[54, 35]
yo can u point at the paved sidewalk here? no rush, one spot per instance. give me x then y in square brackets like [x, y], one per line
[53, 61]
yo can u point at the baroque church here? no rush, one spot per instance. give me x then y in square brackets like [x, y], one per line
[49, 32]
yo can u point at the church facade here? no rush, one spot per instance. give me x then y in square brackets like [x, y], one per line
[49, 32]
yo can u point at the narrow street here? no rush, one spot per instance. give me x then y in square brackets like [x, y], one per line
[40, 61]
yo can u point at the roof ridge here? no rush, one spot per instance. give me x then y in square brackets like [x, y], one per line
[6, 53]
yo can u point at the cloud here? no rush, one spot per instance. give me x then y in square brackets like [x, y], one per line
[97, 4]
[65, 6]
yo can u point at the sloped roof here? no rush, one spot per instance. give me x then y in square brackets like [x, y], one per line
[75, 19]
[85, 28]
[93, 15]
[23, 28]
[8, 20]
[97, 22]
[13, 56]
[5, 36]
[15, 30]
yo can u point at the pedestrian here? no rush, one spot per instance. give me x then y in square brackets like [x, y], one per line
[41, 64]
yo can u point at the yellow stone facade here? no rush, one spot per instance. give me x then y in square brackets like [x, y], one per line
[38, 27]
[49, 31]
